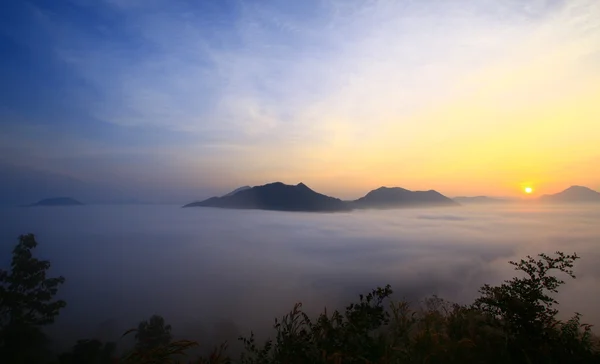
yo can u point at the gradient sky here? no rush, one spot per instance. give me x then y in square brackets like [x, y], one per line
[465, 97]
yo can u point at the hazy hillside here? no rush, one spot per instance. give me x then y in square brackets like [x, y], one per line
[573, 194]
[392, 197]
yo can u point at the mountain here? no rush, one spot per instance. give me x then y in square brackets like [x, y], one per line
[19, 185]
[57, 201]
[276, 196]
[394, 197]
[237, 190]
[573, 194]
[479, 200]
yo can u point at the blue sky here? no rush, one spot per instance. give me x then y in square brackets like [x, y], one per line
[208, 95]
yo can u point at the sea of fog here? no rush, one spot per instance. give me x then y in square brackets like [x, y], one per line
[214, 273]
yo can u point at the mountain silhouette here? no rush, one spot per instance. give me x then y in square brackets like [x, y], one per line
[276, 196]
[243, 188]
[394, 197]
[573, 194]
[479, 200]
[57, 201]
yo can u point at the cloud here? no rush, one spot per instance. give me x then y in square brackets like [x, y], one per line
[246, 267]
[264, 67]
[343, 90]
[442, 217]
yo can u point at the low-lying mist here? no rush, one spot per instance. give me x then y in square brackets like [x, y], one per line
[215, 274]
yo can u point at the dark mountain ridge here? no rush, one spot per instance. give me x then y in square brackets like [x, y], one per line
[276, 196]
[282, 197]
[243, 188]
[396, 197]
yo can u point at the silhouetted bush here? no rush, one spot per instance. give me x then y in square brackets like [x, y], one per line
[152, 333]
[89, 351]
[515, 322]
[26, 304]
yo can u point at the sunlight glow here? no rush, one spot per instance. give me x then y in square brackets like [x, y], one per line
[528, 190]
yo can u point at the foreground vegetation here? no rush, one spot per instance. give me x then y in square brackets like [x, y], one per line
[515, 322]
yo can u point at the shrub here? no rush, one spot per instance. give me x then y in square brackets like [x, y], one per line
[26, 303]
[515, 322]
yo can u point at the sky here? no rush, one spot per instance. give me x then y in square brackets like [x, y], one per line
[479, 97]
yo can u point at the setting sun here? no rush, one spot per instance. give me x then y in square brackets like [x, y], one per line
[528, 190]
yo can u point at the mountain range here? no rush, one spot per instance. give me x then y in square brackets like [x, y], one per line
[279, 196]
[572, 195]
[282, 197]
[20, 185]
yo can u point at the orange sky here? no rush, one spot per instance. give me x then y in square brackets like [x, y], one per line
[529, 116]
[465, 97]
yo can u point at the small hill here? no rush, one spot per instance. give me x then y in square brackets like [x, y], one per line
[276, 196]
[479, 200]
[57, 201]
[237, 190]
[396, 197]
[573, 194]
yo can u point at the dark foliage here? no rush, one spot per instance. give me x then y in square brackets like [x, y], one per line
[152, 334]
[26, 303]
[89, 351]
[524, 310]
[515, 322]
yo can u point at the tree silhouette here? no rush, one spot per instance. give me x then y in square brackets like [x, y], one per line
[89, 352]
[26, 303]
[524, 309]
[152, 333]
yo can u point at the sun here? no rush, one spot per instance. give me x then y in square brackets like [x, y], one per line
[528, 190]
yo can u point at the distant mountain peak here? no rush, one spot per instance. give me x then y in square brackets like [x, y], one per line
[385, 190]
[276, 196]
[573, 194]
[391, 197]
[578, 188]
[303, 186]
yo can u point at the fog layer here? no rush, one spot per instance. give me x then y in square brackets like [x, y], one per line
[214, 274]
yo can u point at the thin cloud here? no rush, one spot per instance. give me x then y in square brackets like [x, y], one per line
[330, 90]
[376, 55]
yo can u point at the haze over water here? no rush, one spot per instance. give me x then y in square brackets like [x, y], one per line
[205, 269]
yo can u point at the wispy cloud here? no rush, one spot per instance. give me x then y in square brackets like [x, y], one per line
[262, 66]
[341, 89]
